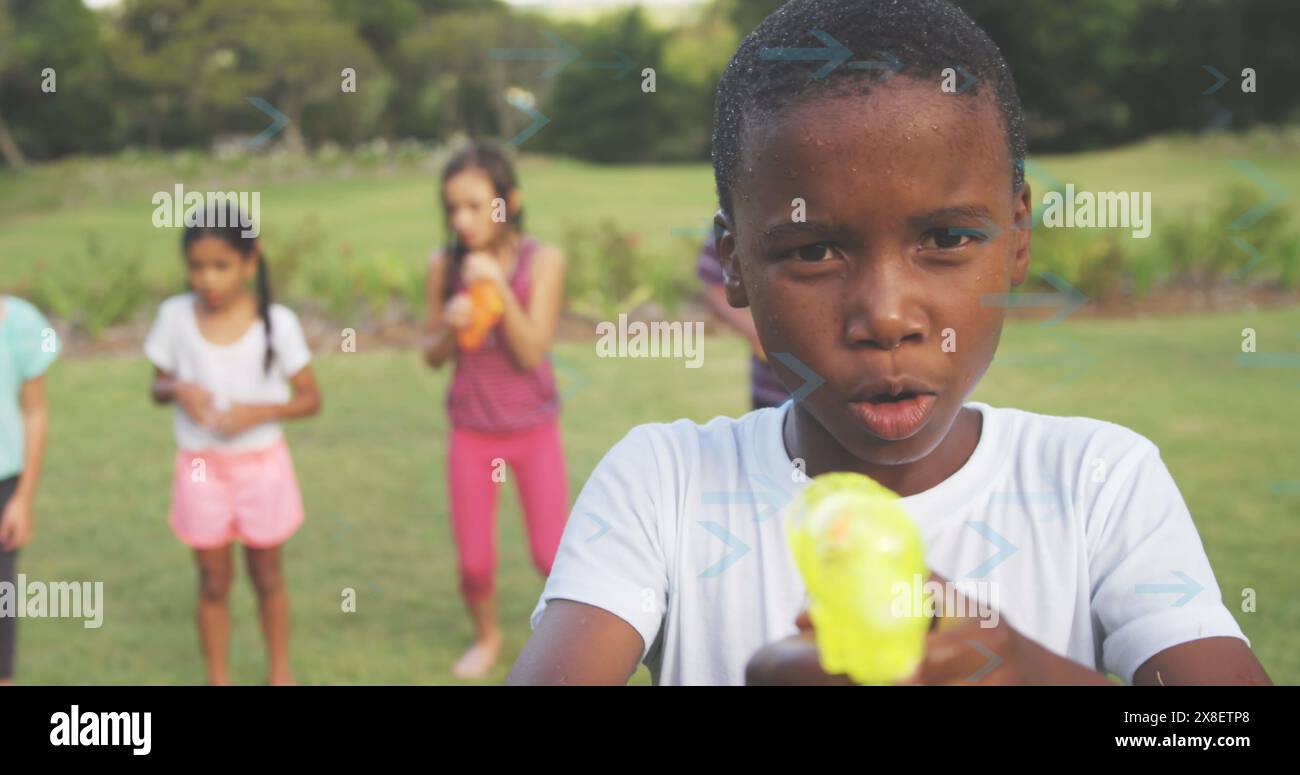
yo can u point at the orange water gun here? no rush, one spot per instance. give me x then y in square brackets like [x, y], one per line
[487, 309]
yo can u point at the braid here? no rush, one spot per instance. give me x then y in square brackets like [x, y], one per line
[264, 305]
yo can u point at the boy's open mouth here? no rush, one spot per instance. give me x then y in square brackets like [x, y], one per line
[885, 398]
[895, 408]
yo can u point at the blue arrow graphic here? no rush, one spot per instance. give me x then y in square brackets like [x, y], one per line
[1284, 487]
[539, 121]
[989, 233]
[1254, 214]
[1188, 589]
[968, 80]
[575, 376]
[1255, 257]
[993, 661]
[835, 54]
[562, 56]
[773, 497]
[601, 524]
[738, 549]
[1050, 498]
[278, 122]
[1067, 297]
[1269, 360]
[1212, 70]
[624, 65]
[1004, 549]
[811, 380]
[890, 65]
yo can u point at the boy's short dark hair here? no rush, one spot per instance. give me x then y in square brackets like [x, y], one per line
[926, 36]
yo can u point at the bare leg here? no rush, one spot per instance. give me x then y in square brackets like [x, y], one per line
[8, 624]
[273, 605]
[478, 660]
[214, 611]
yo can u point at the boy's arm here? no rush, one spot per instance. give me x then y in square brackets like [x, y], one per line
[576, 643]
[603, 603]
[1207, 661]
[1141, 537]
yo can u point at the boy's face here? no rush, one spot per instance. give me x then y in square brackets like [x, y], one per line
[883, 281]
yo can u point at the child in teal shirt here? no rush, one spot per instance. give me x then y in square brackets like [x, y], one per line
[27, 347]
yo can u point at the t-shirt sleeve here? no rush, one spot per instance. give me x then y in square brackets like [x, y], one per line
[610, 554]
[35, 343]
[291, 348]
[1152, 585]
[160, 342]
[708, 266]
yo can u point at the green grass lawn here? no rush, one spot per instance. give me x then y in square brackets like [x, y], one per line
[355, 208]
[372, 469]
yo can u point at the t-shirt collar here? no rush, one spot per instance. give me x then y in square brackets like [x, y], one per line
[961, 487]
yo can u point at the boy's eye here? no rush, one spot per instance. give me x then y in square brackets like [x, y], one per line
[956, 237]
[813, 253]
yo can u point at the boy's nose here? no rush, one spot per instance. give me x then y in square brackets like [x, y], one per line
[881, 310]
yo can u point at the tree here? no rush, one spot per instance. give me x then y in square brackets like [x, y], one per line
[62, 36]
[290, 53]
[9, 149]
[155, 63]
[597, 114]
[448, 81]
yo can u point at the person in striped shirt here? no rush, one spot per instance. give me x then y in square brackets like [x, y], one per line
[503, 403]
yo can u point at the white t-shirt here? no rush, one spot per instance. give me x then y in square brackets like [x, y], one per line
[1075, 524]
[233, 373]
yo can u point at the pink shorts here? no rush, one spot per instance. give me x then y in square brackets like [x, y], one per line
[220, 496]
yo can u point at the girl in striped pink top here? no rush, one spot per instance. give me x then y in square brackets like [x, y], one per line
[503, 404]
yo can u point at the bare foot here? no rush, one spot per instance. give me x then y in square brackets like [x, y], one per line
[7, 682]
[222, 681]
[477, 662]
[281, 680]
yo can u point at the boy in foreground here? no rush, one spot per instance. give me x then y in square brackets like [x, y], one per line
[910, 199]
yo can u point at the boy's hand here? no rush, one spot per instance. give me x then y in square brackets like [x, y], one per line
[16, 524]
[961, 652]
[459, 311]
[239, 418]
[195, 401]
[958, 652]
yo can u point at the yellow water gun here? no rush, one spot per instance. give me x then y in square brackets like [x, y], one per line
[861, 557]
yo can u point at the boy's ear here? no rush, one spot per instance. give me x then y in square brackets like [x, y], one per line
[1022, 224]
[732, 279]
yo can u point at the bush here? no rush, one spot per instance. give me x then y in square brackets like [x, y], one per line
[91, 290]
[1198, 249]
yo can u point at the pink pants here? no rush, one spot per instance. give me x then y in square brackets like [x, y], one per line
[475, 470]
